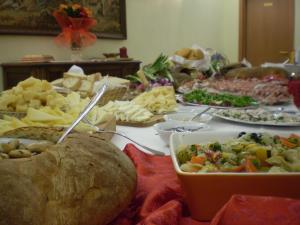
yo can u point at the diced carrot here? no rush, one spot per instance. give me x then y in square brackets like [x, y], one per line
[249, 166]
[198, 159]
[287, 143]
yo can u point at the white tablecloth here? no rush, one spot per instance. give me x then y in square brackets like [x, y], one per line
[148, 136]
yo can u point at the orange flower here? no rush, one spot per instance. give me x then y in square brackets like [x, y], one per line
[74, 10]
[62, 7]
[88, 12]
[76, 6]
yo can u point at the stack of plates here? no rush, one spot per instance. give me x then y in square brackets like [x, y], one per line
[37, 58]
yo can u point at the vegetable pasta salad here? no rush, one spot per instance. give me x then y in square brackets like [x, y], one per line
[249, 152]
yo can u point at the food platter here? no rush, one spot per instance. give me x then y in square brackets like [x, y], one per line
[288, 114]
[180, 99]
[153, 120]
[295, 124]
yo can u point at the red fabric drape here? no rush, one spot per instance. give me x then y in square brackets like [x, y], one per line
[159, 200]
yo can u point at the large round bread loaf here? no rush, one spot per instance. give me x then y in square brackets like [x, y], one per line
[83, 181]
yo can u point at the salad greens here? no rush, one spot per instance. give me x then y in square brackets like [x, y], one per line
[204, 97]
[159, 71]
[249, 152]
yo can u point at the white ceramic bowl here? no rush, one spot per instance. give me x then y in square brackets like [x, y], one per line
[165, 129]
[187, 116]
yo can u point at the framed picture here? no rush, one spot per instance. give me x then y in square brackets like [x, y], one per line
[34, 17]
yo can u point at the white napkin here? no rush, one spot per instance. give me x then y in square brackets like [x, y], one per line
[76, 71]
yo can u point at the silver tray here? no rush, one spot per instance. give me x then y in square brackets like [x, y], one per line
[261, 123]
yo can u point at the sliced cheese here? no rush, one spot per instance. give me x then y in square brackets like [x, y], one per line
[40, 116]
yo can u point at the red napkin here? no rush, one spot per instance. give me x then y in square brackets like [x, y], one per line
[159, 200]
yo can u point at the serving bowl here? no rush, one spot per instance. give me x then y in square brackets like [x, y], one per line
[206, 193]
[165, 129]
[188, 116]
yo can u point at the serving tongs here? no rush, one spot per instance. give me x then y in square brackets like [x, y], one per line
[87, 109]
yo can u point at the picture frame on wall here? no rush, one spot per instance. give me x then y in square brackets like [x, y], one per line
[34, 17]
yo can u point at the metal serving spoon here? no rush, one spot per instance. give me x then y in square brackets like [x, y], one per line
[99, 130]
[200, 113]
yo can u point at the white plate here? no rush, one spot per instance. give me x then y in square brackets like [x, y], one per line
[264, 123]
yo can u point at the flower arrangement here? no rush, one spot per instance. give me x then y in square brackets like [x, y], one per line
[75, 22]
[75, 11]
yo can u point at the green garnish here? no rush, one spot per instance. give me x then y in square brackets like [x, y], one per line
[215, 146]
[203, 97]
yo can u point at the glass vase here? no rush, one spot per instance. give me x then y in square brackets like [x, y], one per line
[76, 54]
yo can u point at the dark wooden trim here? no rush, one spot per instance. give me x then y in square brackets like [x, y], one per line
[242, 29]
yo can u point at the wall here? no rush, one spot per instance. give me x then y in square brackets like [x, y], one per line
[297, 24]
[230, 29]
[153, 27]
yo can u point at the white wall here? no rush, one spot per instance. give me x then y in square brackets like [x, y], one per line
[153, 26]
[297, 24]
[230, 29]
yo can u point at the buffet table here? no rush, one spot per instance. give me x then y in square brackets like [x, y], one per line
[165, 203]
[149, 137]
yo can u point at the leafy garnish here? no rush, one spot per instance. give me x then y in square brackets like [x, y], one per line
[203, 97]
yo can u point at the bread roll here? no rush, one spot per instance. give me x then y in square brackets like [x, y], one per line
[184, 52]
[196, 54]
